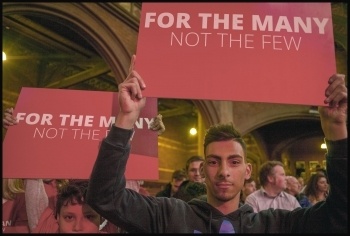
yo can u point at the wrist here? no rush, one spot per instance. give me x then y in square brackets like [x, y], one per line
[334, 131]
[126, 121]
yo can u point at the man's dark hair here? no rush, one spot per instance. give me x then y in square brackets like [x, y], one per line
[179, 175]
[223, 132]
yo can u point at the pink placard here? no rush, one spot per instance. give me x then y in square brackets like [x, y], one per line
[60, 131]
[255, 52]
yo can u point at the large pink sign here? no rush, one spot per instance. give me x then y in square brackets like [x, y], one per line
[257, 52]
[60, 131]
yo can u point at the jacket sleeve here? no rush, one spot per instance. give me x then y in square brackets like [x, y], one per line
[337, 171]
[124, 207]
[107, 178]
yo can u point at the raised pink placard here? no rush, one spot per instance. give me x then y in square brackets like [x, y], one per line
[60, 131]
[255, 52]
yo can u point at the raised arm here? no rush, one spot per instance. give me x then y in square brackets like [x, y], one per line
[36, 201]
[106, 192]
[333, 122]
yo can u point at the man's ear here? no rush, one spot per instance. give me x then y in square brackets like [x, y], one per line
[248, 172]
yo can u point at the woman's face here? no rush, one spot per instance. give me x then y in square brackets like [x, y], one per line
[322, 184]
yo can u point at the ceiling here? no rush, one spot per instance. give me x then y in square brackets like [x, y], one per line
[46, 51]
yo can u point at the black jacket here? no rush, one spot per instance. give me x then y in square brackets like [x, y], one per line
[139, 214]
[166, 192]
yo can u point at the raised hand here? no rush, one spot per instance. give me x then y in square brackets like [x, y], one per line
[157, 124]
[9, 119]
[130, 97]
[334, 116]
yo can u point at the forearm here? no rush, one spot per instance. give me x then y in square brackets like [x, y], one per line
[36, 200]
[107, 177]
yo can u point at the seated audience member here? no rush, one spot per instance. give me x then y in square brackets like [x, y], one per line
[271, 193]
[225, 169]
[317, 188]
[172, 187]
[14, 214]
[248, 188]
[293, 188]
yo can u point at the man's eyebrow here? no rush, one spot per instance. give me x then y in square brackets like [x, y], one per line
[213, 156]
[229, 157]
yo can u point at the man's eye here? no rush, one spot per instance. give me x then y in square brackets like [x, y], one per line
[212, 163]
[235, 162]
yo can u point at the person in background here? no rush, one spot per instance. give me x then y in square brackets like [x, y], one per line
[248, 188]
[271, 195]
[72, 214]
[194, 185]
[172, 187]
[317, 188]
[14, 213]
[294, 188]
[320, 169]
[225, 168]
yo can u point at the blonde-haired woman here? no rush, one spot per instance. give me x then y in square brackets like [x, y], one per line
[14, 214]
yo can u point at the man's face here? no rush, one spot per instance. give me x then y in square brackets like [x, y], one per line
[193, 173]
[76, 218]
[278, 179]
[175, 184]
[225, 170]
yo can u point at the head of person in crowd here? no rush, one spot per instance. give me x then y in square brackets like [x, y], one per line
[193, 166]
[72, 212]
[248, 188]
[225, 167]
[293, 186]
[177, 178]
[317, 187]
[321, 169]
[272, 177]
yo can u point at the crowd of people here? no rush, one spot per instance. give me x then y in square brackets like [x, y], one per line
[211, 194]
